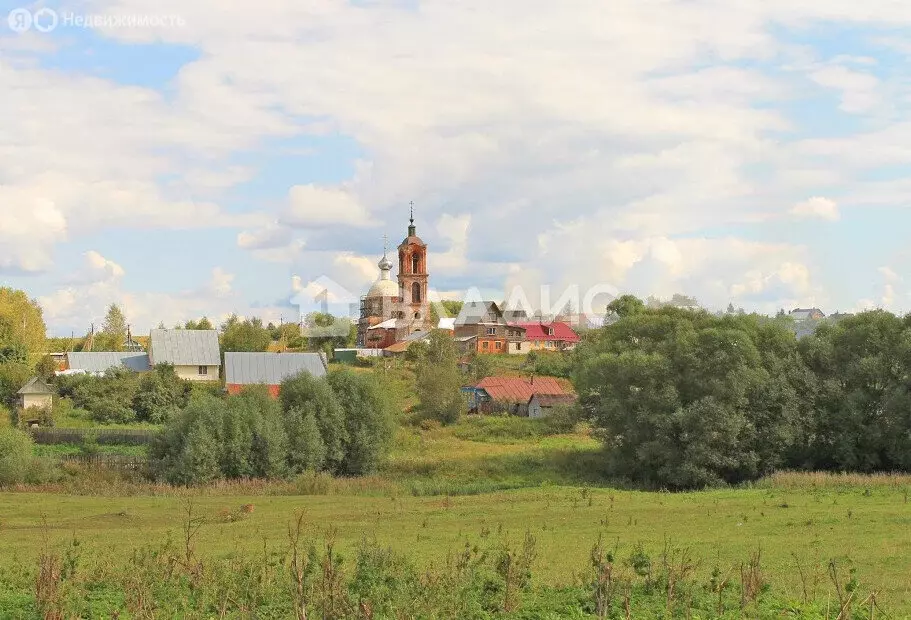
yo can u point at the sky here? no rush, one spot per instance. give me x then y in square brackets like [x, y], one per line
[199, 157]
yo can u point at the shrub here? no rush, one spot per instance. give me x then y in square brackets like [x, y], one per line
[368, 420]
[233, 437]
[305, 396]
[160, 395]
[15, 456]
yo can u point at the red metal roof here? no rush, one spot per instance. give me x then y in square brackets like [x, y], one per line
[538, 331]
[519, 389]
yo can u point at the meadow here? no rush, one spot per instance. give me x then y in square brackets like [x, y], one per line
[488, 483]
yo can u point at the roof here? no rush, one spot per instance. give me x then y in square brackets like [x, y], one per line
[447, 323]
[538, 331]
[387, 324]
[475, 312]
[519, 389]
[102, 361]
[549, 400]
[185, 347]
[35, 385]
[402, 345]
[270, 368]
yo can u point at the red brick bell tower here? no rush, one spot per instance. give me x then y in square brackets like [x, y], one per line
[413, 280]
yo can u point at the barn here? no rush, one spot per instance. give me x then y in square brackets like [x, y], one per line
[270, 369]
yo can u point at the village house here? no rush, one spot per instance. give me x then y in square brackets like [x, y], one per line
[194, 353]
[99, 362]
[540, 405]
[270, 369]
[482, 324]
[539, 336]
[807, 314]
[513, 394]
[36, 394]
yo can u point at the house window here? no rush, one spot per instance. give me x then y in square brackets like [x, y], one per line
[518, 346]
[484, 344]
[491, 331]
[550, 331]
[498, 345]
[203, 370]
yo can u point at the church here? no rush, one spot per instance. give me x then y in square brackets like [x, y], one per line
[392, 311]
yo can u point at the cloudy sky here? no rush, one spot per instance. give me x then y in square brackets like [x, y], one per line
[190, 157]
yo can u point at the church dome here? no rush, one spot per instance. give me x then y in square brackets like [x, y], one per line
[384, 287]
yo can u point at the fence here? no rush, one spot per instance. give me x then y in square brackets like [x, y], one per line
[81, 436]
[108, 461]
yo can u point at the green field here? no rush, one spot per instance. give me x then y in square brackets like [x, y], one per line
[488, 482]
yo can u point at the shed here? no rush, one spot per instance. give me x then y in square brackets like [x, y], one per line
[101, 361]
[270, 369]
[36, 394]
[540, 405]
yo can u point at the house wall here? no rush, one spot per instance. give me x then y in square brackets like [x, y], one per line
[191, 373]
[41, 401]
[236, 388]
[518, 348]
[534, 408]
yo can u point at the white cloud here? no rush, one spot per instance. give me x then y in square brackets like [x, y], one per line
[311, 205]
[817, 207]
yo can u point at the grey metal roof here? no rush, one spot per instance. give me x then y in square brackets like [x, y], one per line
[185, 347]
[35, 386]
[475, 312]
[103, 360]
[270, 368]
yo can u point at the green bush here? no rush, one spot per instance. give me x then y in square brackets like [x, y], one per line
[161, 393]
[15, 456]
[369, 420]
[232, 437]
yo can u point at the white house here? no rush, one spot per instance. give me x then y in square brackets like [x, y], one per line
[36, 394]
[194, 353]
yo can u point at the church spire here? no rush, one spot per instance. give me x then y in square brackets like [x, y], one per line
[412, 231]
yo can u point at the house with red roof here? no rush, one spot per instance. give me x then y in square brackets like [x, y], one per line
[541, 336]
[512, 394]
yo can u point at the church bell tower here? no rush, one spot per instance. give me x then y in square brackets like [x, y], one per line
[413, 279]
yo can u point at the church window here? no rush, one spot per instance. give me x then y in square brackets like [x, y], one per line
[416, 293]
[417, 315]
[416, 263]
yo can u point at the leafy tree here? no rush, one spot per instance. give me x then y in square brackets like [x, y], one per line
[368, 420]
[625, 305]
[202, 323]
[22, 329]
[304, 396]
[862, 366]
[439, 381]
[247, 336]
[113, 331]
[686, 399]
[325, 332]
[16, 456]
[13, 375]
[230, 437]
[161, 394]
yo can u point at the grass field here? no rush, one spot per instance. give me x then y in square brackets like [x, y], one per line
[862, 527]
[491, 480]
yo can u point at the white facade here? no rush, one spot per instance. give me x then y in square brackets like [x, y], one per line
[197, 373]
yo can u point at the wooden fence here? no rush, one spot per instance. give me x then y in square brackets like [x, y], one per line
[106, 461]
[104, 437]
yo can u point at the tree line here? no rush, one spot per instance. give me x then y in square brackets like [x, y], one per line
[683, 398]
